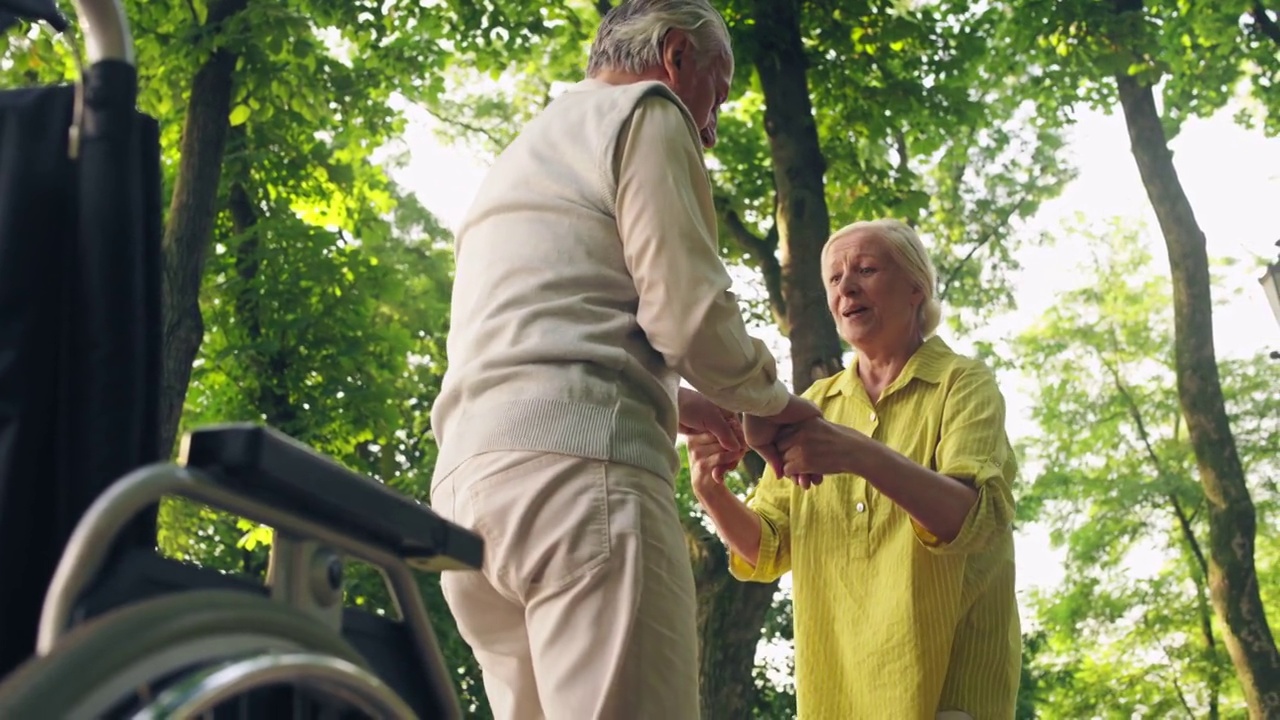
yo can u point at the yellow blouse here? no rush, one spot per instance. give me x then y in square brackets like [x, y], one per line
[889, 622]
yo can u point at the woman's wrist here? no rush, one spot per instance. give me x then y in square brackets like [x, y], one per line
[865, 455]
[712, 494]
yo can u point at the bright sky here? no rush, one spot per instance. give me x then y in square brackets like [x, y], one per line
[1232, 176]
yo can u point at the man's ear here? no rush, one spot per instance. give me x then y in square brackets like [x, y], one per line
[676, 50]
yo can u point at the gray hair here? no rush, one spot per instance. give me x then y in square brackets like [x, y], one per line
[630, 35]
[908, 251]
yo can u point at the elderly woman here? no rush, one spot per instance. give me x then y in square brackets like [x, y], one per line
[902, 560]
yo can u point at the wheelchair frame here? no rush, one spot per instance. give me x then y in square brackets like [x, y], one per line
[255, 472]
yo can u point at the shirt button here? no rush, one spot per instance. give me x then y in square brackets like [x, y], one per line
[860, 507]
[873, 416]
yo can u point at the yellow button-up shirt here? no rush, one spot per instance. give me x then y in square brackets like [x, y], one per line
[889, 622]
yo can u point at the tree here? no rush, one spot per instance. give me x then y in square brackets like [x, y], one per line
[1131, 629]
[1120, 51]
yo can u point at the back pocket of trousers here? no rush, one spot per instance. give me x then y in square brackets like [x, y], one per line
[548, 521]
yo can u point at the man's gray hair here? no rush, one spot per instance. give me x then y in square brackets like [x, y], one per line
[631, 34]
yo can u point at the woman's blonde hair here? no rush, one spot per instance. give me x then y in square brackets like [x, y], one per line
[909, 253]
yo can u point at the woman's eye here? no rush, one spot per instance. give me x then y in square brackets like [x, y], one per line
[867, 271]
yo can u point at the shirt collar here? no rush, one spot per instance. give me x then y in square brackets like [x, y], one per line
[928, 363]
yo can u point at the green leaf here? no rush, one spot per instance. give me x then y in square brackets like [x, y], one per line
[239, 115]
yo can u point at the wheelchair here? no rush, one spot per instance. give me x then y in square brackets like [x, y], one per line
[201, 642]
[124, 632]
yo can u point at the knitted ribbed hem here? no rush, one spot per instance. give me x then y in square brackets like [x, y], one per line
[564, 427]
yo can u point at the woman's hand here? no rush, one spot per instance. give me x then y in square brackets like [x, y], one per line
[762, 432]
[709, 461]
[737, 524]
[819, 447]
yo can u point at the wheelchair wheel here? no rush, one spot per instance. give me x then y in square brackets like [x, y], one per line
[333, 689]
[118, 663]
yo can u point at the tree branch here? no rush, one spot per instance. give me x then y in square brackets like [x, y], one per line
[1202, 605]
[1262, 20]
[900, 142]
[469, 127]
[993, 231]
[1159, 639]
[765, 251]
[603, 7]
[1184, 526]
[954, 273]
[1177, 686]
[1189, 536]
[1162, 471]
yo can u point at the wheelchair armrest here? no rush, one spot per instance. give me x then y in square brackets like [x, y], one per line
[272, 468]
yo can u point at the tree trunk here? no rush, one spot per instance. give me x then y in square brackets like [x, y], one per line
[731, 613]
[1233, 578]
[798, 168]
[192, 211]
[731, 616]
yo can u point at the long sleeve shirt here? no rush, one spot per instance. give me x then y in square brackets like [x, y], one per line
[587, 283]
[890, 622]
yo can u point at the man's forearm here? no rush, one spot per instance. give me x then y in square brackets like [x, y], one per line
[737, 524]
[685, 397]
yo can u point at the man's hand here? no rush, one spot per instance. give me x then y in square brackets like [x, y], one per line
[699, 415]
[761, 432]
[709, 462]
[818, 447]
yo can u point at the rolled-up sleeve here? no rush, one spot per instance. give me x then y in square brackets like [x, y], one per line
[974, 448]
[667, 222]
[771, 500]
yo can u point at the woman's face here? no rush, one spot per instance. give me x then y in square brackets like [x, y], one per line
[872, 300]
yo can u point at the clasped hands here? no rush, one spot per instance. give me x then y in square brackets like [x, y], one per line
[797, 443]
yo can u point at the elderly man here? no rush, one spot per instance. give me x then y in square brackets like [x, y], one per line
[587, 285]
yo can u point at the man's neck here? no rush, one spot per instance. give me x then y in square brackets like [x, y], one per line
[622, 77]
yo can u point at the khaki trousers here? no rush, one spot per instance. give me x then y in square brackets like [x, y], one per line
[585, 608]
